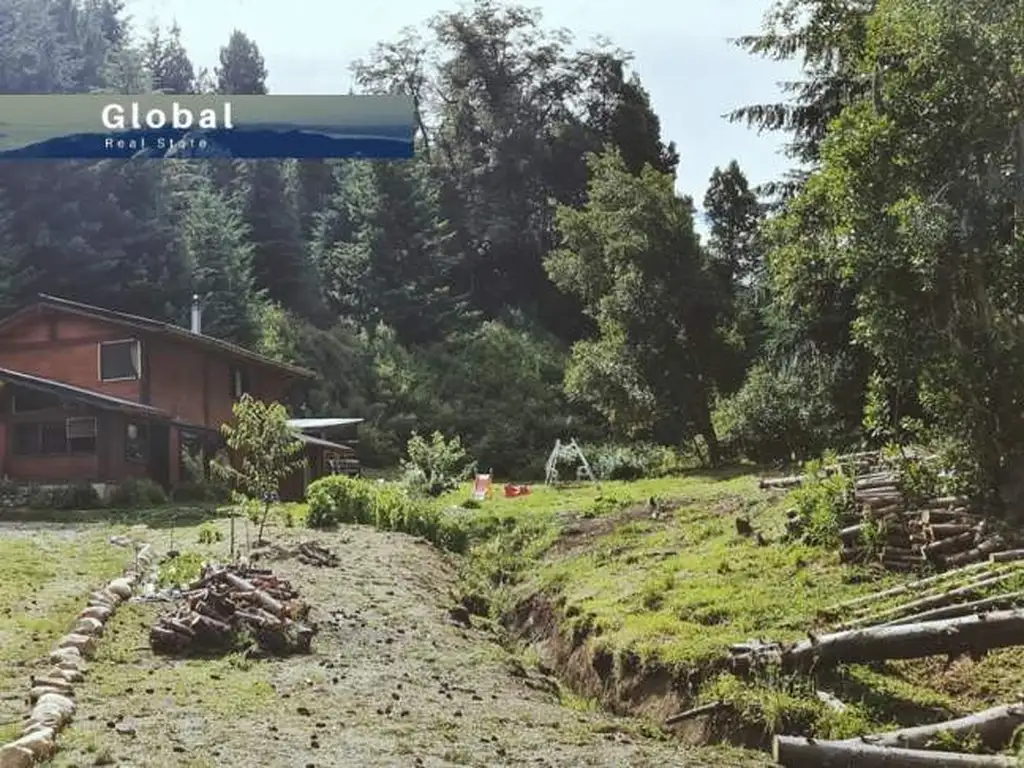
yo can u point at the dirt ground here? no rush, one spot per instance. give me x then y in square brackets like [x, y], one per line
[392, 681]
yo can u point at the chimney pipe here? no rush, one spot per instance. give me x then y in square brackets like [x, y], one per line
[197, 314]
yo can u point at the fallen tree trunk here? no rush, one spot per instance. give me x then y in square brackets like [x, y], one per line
[798, 752]
[992, 727]
[900, 589]
[960, 609]
[952, 637]
[933, 601]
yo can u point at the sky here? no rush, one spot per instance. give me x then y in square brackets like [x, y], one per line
[681, 47]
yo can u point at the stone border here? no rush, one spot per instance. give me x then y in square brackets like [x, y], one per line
[52, 695]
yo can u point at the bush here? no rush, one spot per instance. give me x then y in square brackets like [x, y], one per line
[192, 492]
[436, 467]
[138, 492]
[823, 502]
[209, 534]
[782, 413]
[77, 496]
[632, 462]
[337, 500]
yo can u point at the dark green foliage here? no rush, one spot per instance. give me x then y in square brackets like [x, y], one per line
[338, 500]
[200, 493]
[136, 493]
[65, 497]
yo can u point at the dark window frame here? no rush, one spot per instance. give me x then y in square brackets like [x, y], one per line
[140, 456]
[238, 382]
[46, 400]
[135, 347]
[43, 440]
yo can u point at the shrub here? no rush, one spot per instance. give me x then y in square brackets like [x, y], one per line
[631, 462]
[337, 500]
[435, 467]
[138, 492]
[192, 492]
[823, 501]
[209, 534]
[76, 496]
[180, 571]
[783, 412]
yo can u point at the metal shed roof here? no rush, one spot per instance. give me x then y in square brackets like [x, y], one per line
[303, 424]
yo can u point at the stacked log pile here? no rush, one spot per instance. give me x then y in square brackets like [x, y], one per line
[902, 534]
[231, 605]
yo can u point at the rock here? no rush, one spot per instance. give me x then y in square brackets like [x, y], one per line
[53, 709]
[98, 612]
[88, 626]
[104, 599]
[52, 681]
[39, 743]
[125, 728]
[67, 657]
[39, 691]
[63, 675]
[15, 757]
[122, 588]
[84, 644]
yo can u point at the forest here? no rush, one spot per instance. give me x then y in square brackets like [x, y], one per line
[534, 274]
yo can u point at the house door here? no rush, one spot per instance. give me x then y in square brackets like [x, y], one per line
[160, 454]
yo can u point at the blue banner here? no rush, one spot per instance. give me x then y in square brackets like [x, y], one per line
[99, 127]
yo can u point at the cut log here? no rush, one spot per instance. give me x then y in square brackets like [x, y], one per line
[945, 530]
[851, 534]
[934, 601]
[704, 709]
[952, 544]
[984, 549]
[949, 515]
[1008, 556]
[953, 637]
[902, 588]
[781, 482]
[961, 609]
[830, 701]
[264, 599]
[798, 752]
[993, 728]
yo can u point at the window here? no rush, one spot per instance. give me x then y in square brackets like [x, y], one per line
[120, 360]
[239, 382]
[76, 435]
[136, 442]
[53, 439]
[26, 439]
[28, 400]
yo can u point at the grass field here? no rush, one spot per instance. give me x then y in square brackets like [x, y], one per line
[676, 588]
[392, 680]
[669, 586]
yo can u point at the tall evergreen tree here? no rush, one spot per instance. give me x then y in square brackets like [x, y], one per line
[167, 62]
[242, 69]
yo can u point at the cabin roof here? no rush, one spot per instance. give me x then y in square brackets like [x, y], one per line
[78, 394]
[135, 322]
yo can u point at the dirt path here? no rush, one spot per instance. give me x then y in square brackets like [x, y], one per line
[392, 682]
